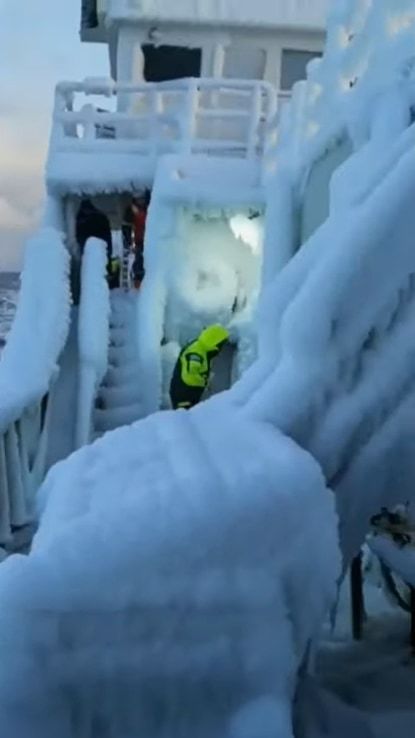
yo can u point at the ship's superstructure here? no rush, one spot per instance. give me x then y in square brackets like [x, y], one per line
[159, 40]
[189, 115]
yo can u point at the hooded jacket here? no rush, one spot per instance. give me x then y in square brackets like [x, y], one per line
[195, 359]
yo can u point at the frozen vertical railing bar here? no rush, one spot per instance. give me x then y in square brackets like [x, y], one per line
[253, 138]
[60, 107]
[269, 133]
[93, 334]
[188, 121]
[89, 122]
[156, 109]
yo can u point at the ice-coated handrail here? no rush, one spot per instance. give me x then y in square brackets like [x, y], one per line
[182, 116]
[28, 369]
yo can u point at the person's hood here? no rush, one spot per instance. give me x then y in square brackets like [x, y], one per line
[213, 337]
[87, 207]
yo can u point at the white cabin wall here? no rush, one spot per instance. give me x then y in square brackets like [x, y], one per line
[273, 43]
[214, 43]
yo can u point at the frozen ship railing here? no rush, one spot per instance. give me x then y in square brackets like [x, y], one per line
[191, 116]
[28, 370]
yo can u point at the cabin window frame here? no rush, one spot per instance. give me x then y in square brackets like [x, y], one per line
[298, 72]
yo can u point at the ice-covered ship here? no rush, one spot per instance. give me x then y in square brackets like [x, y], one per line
[189, 113]
[184, 564]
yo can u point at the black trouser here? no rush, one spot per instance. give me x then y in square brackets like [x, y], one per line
[137, 268]
[113, 279]
[183, 396]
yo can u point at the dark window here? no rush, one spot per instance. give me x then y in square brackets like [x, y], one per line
[294, 64]
[170, 62]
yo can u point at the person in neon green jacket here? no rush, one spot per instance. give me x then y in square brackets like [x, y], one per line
[193, 367]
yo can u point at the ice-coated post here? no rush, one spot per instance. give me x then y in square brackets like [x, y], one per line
[88, 121]
[254, 122]
[188, 123]
[63, 102]
[156, 108]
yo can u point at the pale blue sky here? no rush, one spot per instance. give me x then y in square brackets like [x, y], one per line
[39, 45]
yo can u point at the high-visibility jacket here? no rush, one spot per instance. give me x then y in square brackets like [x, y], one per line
[195, 359]
[115, 265]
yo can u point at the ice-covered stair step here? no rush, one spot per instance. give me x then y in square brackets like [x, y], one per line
[117, 324]
[120, 375]
[120, 396]
[106, 420]
[118, 355]
[121, 308]
[119, 337]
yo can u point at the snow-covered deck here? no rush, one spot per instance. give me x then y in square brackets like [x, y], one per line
[96, 149]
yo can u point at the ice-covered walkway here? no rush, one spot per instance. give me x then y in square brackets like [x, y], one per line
[120, 398]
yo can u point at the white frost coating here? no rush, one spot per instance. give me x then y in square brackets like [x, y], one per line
[181, 599]
[213, 272]
[199, 270]
[336, 358]
[37, 337]
[343, 384]
[341, 337]
[249, 231]
[308, 14]
[161, 237]
[93, 333]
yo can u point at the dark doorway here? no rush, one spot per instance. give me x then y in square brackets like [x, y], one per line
[89, 17]
[163, 63]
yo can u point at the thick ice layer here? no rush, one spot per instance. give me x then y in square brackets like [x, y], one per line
[203, 266]
[94, 309]
[213, 273]
[40, 328]
[336, 360]
[181, 567]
